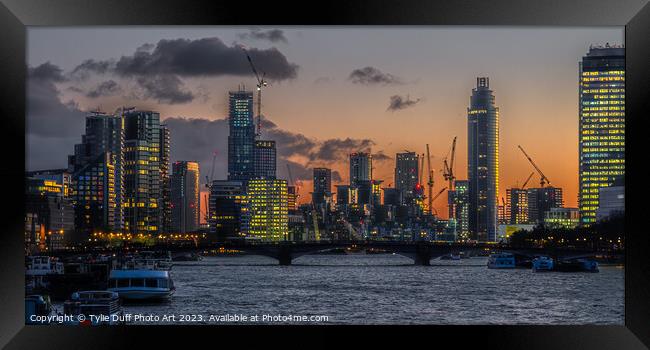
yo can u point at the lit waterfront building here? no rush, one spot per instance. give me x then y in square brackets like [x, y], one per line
[241, 137]
[292, 198]
[458, 201]
[97, 176]
[601, 125]
[517, 208]
[483, 161]
[360, 167]
[165, 179]
[185, 199]
[406, 173]
[142, 172]
[228, 210]
[264, 159]
[50, 213]
[562, 218]
[268, 212]
[541, 200]
[322, 185]
[62, 177]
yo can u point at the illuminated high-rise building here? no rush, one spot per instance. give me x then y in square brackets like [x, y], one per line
[267, 209]
[518, 207]
[228, 210]
[241, 138]
[142, 172]
[458, 201]
[406, 173]
[483, 161]
[360, 167]
[322, 185]
[541, 200]
[185, 200]
[601, 125]
[165, 179]
[264, 159]
[97, 176]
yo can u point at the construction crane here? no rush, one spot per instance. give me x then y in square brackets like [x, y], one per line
[528, 179]
[430, 182]
[261, 83]
[448, 172]
[434, 198]
[543, 180]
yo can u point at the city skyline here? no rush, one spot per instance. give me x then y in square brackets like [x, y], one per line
[387, 96]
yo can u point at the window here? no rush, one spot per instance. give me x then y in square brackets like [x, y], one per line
[151, 283]
[137, 282]
[123, 282]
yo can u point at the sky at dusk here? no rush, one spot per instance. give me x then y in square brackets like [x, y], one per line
[333, 90]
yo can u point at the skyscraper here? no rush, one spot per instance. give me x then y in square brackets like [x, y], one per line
[185, 201]
[518, 206]
[602, 125]
[142, 172]
[165, 179]
[483, 161]
[241, 139]
[268, 212]
[97, 176]
[406, 173]
[322, 185]
[264, 159]
[360, 167]
[228, 210]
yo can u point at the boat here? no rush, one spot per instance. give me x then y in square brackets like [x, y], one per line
[103, 305]
[501, 261]
[577, 265]
[451, 256]
[38, 271]
[141, 284]
[37, 305]
[542, 263]
[188, 257]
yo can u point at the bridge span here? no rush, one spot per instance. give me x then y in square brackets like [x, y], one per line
[421, 252]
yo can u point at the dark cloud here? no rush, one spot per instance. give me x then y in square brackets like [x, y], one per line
[204, 57]
[83, 71]
[52, 126]
[338, 149]
[164, 89]
[381, 156]
[46, 72]
[105, 88]
[373, 76]
[273, 35]
[398, 102]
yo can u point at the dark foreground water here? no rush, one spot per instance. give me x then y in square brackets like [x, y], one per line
[386, 289]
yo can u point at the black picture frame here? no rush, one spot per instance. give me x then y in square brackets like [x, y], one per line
[15, 15]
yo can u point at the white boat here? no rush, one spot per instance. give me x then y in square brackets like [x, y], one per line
[542, 263]
[141, 284]
[501, 261]
[39, 268]
[102, 305]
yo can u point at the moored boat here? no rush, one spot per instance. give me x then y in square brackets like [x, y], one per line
[501, 261]
[542, 263]
[104, 306]
[577, 265]
[141, 284]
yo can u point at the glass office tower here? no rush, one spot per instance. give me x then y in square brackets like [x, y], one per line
[483, 161]
[602, 125]
[241, 139]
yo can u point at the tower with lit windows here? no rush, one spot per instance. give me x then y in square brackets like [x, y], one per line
[185, 200]
[268, 216]
[483, 161]
[601, 125]
[241, 137]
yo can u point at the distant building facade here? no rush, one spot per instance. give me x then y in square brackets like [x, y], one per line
[185, 197]
[322, 185]
[265, 159]
[406, 173]
[268, 209]
[360, 167]
[241, 137]
[562, 218]
[228, 210]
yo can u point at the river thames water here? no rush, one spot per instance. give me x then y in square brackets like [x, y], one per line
[386, 289]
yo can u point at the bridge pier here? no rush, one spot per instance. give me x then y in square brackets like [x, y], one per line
[284, 255]
[423, 255]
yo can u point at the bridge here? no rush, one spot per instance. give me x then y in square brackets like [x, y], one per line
[421, 252]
